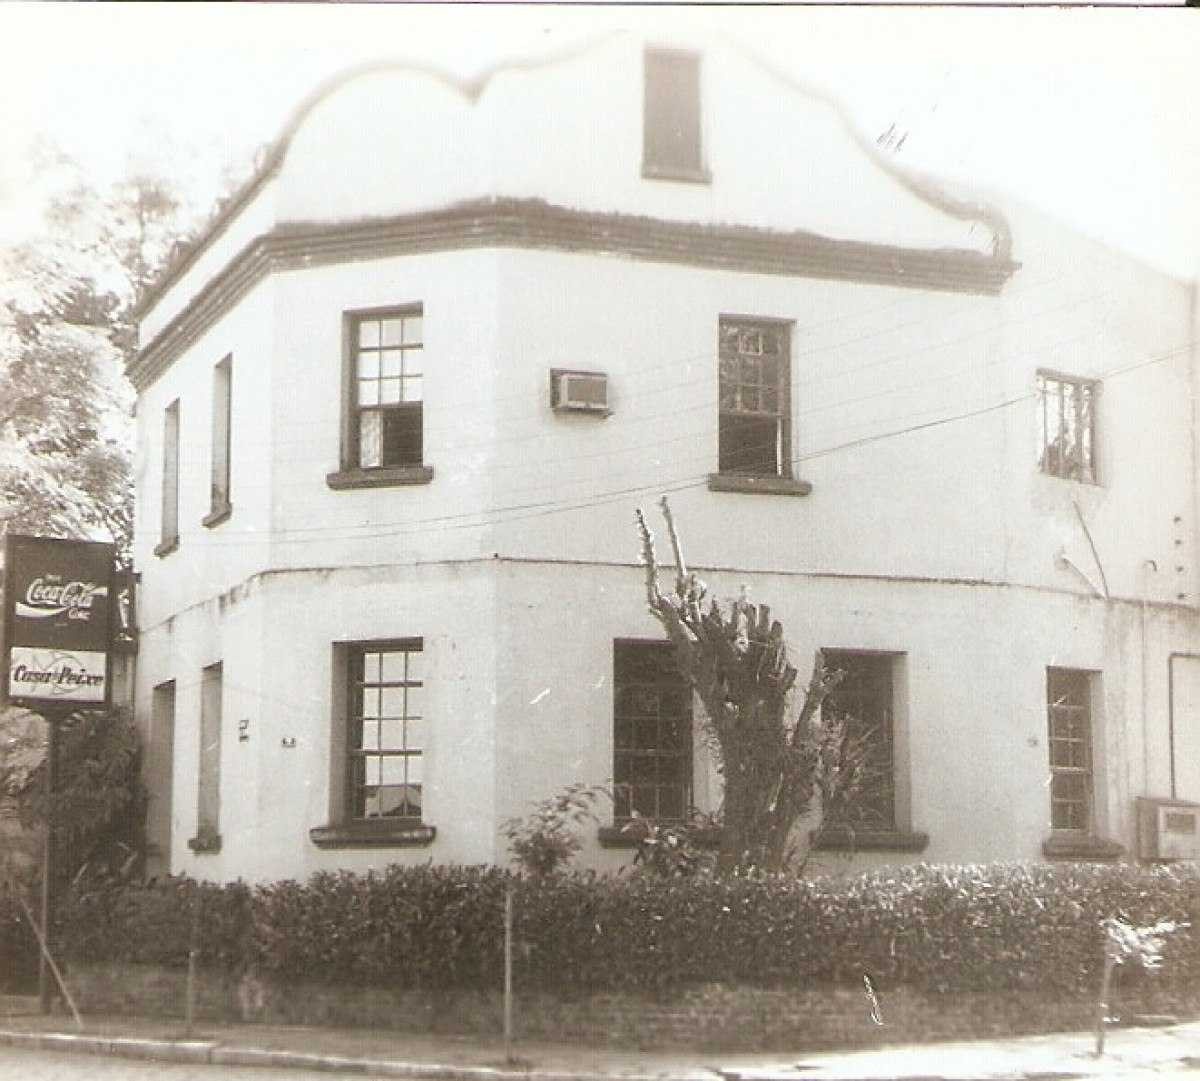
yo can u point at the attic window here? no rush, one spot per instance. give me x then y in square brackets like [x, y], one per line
[671, 147]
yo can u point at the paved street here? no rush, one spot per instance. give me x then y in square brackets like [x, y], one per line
[17, 1064]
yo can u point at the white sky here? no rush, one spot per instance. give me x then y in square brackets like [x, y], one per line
[1081, 112]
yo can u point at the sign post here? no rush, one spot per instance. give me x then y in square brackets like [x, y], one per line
[58, 624]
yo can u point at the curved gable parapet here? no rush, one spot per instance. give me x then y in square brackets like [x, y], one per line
[393, 139]
[568, 130]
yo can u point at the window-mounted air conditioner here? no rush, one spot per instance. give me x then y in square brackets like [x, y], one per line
[579, 392]
[1168, 829]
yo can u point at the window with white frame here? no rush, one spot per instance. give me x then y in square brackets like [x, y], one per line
[754, 389]
[1067, 426]
[387, 380]
[385, 730]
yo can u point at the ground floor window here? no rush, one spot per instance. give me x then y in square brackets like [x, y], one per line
[1069, 715]
[386, 730]
[652, 733]
[864, 702]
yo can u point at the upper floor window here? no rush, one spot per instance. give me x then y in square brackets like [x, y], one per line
[387, 372]
[221, 434]
[671, 123]
[386, 730]
[169, 532]
[1067, 426]
[1069, 710]
[754, 398]
[652, 733]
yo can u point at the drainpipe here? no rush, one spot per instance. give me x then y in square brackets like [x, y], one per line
[1148, 565]
[1171, 709]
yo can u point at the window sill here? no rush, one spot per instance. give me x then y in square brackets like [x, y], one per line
[615, 837]
[845, 839]
[680, 173]
[1087, 482]
[166, 547]
[1081, 846]
[385, 477]
[205, 842]
[737, 482]
[398, 834]
[217, 515]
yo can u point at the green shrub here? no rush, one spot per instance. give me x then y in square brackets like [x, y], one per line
[18, 947]
[939, 928]
[155, 923]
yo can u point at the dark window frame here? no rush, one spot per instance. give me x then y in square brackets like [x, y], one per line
[676, 154]
[391, 469]
[878, 810]
[735, 390]
[1067, 445]
[632, 753]
[1071, 750]
[355, 685]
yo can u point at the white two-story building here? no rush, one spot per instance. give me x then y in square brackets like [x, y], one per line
[398, 405]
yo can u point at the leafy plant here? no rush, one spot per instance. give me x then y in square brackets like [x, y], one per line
[673, 850]
[544, 841]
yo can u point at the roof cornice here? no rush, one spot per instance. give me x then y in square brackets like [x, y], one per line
[535, 225]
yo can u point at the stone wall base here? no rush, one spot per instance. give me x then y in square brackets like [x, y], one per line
[706, 1017]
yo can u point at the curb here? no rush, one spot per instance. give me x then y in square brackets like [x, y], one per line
[210, 1052]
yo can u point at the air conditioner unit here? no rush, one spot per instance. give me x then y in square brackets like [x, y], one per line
[1168, 829]
[579, 392]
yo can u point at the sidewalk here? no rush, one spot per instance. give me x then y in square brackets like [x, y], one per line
[442, 1058]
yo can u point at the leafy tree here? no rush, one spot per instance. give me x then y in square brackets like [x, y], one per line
[99, 801]
[66, 332]
[735, 659]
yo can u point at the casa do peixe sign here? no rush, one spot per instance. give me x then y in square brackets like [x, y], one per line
[58, 622]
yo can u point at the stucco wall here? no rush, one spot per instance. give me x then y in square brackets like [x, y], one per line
[929, 532]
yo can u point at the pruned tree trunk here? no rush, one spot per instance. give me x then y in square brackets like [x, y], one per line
[736, 661]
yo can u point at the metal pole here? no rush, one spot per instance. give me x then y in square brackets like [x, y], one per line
[193, 950]
[62, 984]
[45, 981]
[508, 958]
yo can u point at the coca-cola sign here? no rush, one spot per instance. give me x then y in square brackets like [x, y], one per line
[57, 620]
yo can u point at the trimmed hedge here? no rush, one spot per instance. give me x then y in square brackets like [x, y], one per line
[937, 928]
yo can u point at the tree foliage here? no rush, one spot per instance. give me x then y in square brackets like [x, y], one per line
[735, 658]
[99, 802]
[66, 330]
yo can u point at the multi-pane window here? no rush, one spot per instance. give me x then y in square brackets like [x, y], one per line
[386, 730]
[754, 397]
[387, 372]
[671, 121]
[222, 388]
[1067, 426]
[863, 701]
[1068, 707]
[652, 733]
[170, 476]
